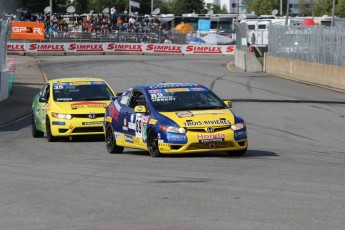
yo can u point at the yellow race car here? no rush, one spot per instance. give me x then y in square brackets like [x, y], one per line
[70, 106]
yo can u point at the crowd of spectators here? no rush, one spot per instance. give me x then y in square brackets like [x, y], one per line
[115, 26]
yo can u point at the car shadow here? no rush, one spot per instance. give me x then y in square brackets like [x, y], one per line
[248, 154]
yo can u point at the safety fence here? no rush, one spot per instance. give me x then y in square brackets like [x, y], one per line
[319, 44]
[241, 36]
[111, 47]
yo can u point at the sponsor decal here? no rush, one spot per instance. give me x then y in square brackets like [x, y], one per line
[163, 146]
[71, 126]
[124, 128]
[197, 89]
[109, 119]
[240, 135]
[124, 121]
[89, 47]
[184, 114]
[92, 123]
[132, 117]
[13, 47]
[118, 136]
[179, 138]
[152, 121]
[204, 49]
[129, 138]
[207, 122]
[131, 125]
[139, 108]
[124, 47]
[27, 30]
[144, 128]
[164, 48]
[113, 112]
[58, 123]
[210, 137]
[88, 104]
[160, 97]
[176, 90]
[117, 105]
[230, 49]
[173, 85]
[80, 83]
[46, 47]
[124, 100]
[207, 112]
[154, 91]
[160, 141]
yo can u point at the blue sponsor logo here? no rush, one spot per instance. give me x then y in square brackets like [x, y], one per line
[184, 114]
[176, 138]
[58, 123]
[128, 138]
[240, 135]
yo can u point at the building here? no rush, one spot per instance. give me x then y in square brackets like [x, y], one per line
[231, 5]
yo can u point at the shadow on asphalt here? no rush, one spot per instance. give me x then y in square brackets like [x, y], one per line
[248, 154]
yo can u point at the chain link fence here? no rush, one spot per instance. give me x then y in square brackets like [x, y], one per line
[320, 44]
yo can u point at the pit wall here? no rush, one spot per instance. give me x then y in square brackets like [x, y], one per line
[320, 74]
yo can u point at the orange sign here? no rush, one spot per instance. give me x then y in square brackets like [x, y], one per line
[27, 30]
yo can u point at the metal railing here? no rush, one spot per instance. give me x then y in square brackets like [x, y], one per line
[320, 44]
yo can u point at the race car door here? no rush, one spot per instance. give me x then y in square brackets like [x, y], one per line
[136, 122]
[41, 106]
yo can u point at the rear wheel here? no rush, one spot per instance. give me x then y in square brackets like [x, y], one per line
[237, 153]
[50, 136]
[152, 144]
[35, 133]
[110, 141]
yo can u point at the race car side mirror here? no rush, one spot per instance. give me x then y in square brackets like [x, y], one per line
[113, 98]
[43, 100]
[228, 103]
[140, 109]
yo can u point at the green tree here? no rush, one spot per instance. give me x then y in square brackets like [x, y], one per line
[179, 7]
[323, 7]
[262, 6]
[340, 8]
[216, 8]
[303, 8]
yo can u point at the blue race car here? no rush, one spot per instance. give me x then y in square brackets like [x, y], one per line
[173, 118]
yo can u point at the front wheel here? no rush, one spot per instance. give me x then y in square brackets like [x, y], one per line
[50, 136]
[35, 133]
[152, 144]
[110, 141]
[237, 153]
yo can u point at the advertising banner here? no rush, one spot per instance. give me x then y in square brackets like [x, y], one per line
[27, 30]
[149, 48]
[204, 25]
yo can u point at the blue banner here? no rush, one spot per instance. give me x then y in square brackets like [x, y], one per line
[204, 25]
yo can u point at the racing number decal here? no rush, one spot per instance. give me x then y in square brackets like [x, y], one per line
[138, 126]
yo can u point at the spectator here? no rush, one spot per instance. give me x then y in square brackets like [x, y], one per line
[113, 14]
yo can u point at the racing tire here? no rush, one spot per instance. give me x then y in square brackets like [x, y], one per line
[50, 136]
[110, 141]
[152, 144]
[237, 153]
[35, 133]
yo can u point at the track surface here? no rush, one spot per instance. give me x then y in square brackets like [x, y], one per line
[292, 177]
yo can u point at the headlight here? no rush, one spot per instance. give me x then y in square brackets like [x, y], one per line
[238, 126]
[62, 116]
[172, 129]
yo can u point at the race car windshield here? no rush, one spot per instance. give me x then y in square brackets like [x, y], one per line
[180, 99]
[81, 91]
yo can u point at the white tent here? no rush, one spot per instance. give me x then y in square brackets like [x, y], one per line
[218, 39]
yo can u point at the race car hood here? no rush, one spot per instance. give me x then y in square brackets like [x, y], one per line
[80, 106]
[201, 118]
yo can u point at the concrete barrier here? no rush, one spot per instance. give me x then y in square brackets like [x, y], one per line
[309, 72]
[247, 61]
[3, 86]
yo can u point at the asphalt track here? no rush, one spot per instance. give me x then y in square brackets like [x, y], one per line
[292, 177]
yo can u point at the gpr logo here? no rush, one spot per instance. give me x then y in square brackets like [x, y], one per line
[30, 30]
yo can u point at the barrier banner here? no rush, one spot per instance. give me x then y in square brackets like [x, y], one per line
[124, 47]
[163, 48]
[27, 30]
[45, 47]
[84, 47]
[121, 47]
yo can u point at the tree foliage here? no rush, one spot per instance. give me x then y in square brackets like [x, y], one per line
[323, 7]
[340, 8]
[303, 8]
[262, 6]
[179, 7]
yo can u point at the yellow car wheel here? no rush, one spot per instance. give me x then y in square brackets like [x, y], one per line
[35, 133]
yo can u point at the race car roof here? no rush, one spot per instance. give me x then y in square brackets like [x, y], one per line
[165, 85]
[76, 79]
